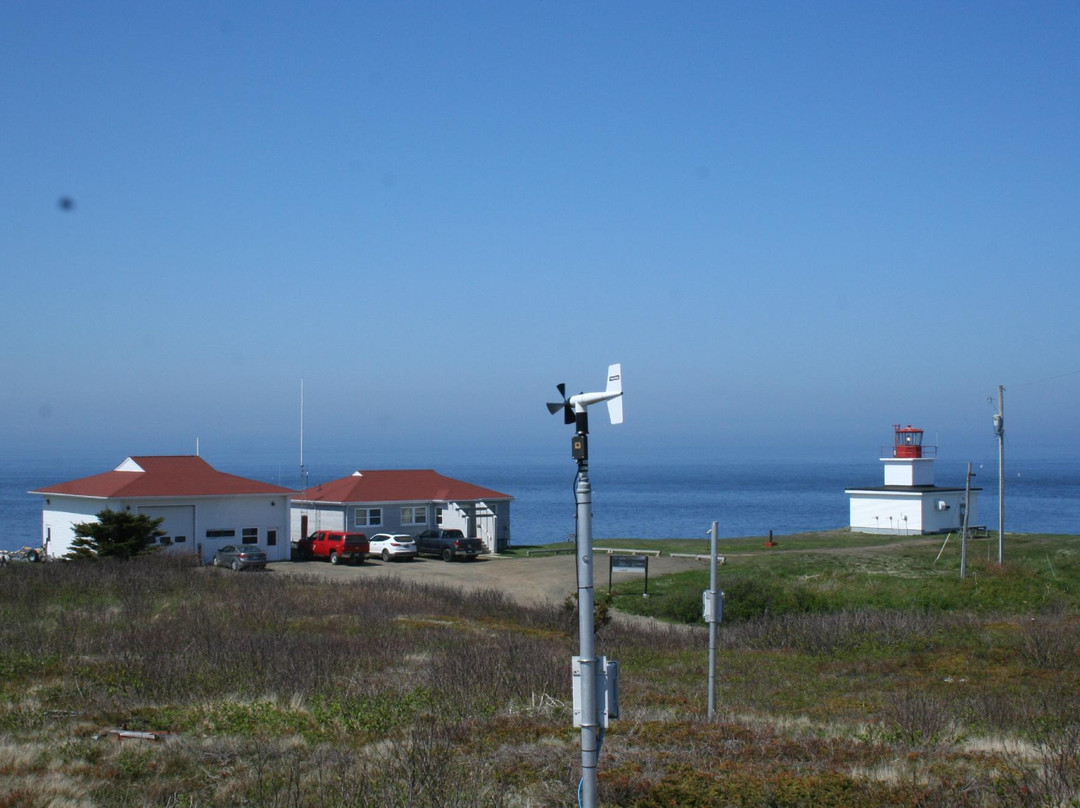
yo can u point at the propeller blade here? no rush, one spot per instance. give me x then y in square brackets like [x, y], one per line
[554, 408]
[568, 414]
[561, 387]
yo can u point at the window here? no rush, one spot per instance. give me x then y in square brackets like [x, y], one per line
[179, 539]
[438, 516]
[367, 517]
[220, 534]
[250, 535]
[271, 538]
[414, 515]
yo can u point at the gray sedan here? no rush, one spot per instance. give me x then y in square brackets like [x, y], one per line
[240, 557]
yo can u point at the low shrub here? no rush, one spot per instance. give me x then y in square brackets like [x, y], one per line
[747, 598]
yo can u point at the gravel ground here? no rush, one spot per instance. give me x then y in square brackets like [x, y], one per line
[529, 580]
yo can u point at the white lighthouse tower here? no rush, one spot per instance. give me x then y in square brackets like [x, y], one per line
[910, 503]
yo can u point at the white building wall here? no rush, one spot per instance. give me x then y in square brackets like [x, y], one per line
[878, 512]
[908, 470]
[973, 515]
[268, 513]
[885, 512]
[496, 529]
[487, 521]
[237, 513]
[941, 520]
[319, 517]
[178, 524]
[59, 515]
[452, 517]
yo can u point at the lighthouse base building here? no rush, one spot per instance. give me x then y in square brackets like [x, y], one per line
[910, 503]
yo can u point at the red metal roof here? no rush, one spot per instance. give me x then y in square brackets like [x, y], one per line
[162, 476]
[414, 485]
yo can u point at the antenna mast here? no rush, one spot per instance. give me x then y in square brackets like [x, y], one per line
[999, 430]
[303, 468]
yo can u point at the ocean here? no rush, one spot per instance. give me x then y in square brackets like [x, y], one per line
[636, 499]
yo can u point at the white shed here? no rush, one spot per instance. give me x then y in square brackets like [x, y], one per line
[910, 502]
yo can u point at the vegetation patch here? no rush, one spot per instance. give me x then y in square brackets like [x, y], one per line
[851, 672]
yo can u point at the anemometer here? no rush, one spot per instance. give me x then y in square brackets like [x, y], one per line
[575, 410]
[596, 680]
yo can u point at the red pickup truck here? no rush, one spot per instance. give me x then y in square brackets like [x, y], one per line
[335, 545]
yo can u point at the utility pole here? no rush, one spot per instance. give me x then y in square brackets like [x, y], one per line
[712, 603]
[964, 528]
[999, 430]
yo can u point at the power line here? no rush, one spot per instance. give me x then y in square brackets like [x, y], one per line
[1047, 378]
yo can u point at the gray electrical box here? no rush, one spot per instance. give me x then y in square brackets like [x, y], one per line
[712, 612]
[607, 690]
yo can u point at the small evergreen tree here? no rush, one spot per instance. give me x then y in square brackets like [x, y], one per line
[115, 534]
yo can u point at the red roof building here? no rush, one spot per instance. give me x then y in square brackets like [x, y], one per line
[403, 501]
[202, 508]
[162, 476]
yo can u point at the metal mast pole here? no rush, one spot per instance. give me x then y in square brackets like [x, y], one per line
[303, 468]
[999, 430]
[967, 514]
[586, 604]
[587, 667]
[712, 623]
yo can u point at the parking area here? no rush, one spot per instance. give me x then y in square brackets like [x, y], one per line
[547, 579]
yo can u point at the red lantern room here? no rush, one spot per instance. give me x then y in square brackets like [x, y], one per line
[908, 441]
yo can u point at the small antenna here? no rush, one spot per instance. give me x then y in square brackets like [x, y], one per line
[303, 468]
[999, 431]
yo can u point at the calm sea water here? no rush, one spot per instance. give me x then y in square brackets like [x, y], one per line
[635, 499]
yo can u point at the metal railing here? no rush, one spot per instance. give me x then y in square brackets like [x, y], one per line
[890, 451]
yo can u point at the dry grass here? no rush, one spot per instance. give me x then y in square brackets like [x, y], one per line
[287, 691]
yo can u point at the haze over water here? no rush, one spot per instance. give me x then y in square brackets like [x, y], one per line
[631, 498]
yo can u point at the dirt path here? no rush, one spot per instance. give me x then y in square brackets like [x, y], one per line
[543, 579]
[891, 547]
[546, 579]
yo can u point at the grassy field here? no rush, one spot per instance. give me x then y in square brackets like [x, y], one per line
[839, 571]
[852, 671]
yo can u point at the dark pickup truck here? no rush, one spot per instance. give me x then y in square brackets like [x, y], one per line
[448, 544]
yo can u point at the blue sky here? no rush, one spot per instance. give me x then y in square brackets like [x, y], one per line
[794, 224]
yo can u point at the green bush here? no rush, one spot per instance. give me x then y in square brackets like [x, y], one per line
[750, 598]
[681, 606]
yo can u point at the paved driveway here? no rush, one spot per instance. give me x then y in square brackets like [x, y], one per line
[528, 580]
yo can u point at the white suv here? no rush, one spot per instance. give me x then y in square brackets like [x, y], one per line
[392, 546]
